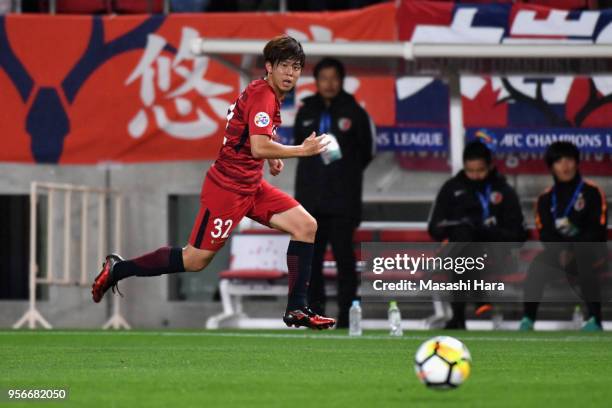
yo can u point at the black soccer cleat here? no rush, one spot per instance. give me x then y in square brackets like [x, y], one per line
[104, 281]
[305, 317]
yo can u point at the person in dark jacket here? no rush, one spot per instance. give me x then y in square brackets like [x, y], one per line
[571, 217]
[330, 186]
[476, 205]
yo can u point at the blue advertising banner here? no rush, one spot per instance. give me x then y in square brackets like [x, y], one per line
[412, 139]
[522, 140]
[395, 138]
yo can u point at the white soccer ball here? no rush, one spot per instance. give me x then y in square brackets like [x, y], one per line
[442, 362]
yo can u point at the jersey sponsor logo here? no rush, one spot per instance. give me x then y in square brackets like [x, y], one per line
[262, 119]
[496, 197]
[579, 206]
[344, 124]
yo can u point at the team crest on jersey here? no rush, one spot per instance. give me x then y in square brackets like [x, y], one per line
[262, 119]
[579, 206]
[496, 197]
[344, 124]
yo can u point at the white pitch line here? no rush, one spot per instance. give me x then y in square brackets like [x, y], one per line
[571, 338]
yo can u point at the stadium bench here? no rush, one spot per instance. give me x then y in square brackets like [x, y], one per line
[258, 268]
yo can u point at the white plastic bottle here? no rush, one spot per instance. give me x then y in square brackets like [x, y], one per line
[355, 319]
[577, 318]
[395, 319]
[497, 318]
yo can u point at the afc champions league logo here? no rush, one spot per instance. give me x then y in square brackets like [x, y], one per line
[262, 119]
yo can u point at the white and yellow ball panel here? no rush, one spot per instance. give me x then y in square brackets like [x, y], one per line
[427, 349]
[460, 372]
[435, 371]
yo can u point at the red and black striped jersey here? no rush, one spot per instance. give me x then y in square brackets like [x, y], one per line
[255, 112]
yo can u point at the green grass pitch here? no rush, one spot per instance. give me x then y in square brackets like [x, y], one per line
[301, 369]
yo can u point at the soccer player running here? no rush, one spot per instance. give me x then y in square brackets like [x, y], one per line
[234, 188]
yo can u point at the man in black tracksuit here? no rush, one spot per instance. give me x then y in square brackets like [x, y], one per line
[571, 218]
[476, 205]
[330, 188]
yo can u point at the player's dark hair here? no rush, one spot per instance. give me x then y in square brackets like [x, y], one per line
[330, 63]
[559, 150]
[477, 151]
[282, 48]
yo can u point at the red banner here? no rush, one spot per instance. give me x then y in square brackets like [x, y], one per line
[94, 89]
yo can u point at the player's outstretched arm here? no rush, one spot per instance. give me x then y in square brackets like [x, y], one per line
[262, 147]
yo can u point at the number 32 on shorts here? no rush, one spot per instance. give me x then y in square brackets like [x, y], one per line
[221, 228]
